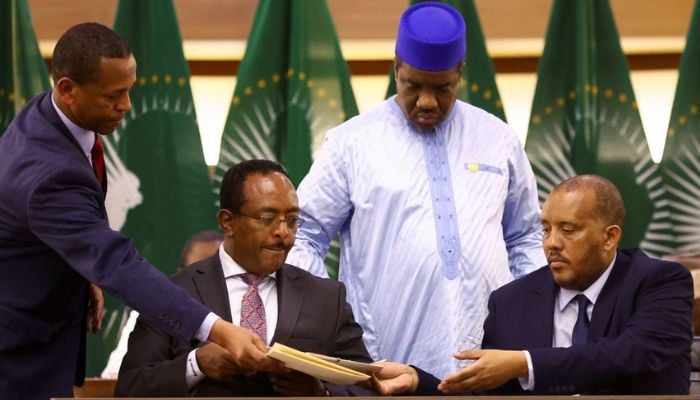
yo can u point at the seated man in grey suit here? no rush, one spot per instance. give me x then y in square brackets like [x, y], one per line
[596, 320]
[248, 283]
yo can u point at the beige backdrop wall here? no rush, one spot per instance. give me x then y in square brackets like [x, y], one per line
[653, 34]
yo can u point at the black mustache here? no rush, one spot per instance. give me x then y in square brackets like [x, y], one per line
[556, 257]
[427, 115]
[278, 245]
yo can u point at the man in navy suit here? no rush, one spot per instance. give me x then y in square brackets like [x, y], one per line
[54, 235]
[634, 336]
[259, 216]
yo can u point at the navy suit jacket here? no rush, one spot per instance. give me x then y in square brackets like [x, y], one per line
[313, 316]
[54, 240]
[639, 336]
[638, 342]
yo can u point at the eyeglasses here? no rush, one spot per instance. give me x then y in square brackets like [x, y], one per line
[269, 221]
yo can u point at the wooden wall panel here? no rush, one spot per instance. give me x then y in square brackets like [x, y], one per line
[366, 19]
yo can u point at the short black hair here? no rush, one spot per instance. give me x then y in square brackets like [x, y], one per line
[80, 49]
[231, 192]
[609, 206]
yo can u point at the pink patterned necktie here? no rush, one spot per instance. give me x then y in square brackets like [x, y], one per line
[252, 309]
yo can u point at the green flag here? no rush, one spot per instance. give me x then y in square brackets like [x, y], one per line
[23, 73]
[293, 85]
[585, 120]
[478, 83]
[681, 160]
[159, 190]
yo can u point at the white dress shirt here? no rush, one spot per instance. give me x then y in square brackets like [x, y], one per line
[267, 289]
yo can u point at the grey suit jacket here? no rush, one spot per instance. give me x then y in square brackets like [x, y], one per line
[313, 316]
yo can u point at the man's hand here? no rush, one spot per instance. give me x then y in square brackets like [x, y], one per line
[491, 369]
[215, 362]
[96, 309]
[246, 349]
[297, 384]
[393, 378]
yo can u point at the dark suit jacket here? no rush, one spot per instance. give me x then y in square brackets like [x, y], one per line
[54, 239]
[639, 336]
[313, 316]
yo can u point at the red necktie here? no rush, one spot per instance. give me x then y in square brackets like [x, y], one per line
[252, 309]
[98, 158]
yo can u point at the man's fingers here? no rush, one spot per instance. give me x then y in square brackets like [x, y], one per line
[467, 384]
[254, 358]
[471, 354]
[258, 342]
[95, 311]
[462, 380]
[393, 378]
[393, 386]
[460, 375]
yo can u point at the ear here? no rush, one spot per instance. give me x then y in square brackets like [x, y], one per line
[613, 233]
[65, 89]
[225, 218]
[396, 70]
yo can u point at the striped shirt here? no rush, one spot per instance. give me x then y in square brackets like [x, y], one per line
[430, 223]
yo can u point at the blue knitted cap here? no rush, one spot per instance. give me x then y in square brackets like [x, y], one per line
[432, 37]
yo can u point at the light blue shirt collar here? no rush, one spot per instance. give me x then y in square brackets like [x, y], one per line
[85, 138]
[592, 292]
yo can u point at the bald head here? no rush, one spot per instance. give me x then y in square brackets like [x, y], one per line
[608, 205]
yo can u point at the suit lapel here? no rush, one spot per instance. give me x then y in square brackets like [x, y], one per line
[542, 318]
[290, 296]
[47, 110]
[605, 305]
[210, 285]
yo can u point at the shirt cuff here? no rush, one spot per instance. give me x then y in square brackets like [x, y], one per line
[529, 382]
[193, 375]
[204, 330]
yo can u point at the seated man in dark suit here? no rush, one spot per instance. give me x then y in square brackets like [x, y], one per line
[630, 334]
[247, 281]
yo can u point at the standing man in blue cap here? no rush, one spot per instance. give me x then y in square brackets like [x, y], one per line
[434, 199]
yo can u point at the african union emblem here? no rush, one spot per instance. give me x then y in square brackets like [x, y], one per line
[585, 120]
[681, 161]
[124, 194]
[293, 85]
[681, 166]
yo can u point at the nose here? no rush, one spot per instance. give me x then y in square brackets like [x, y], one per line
[124, 103]
[552, 240]
[426, 100]
[281, 229]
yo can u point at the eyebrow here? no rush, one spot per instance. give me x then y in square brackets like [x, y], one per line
[274, 210]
